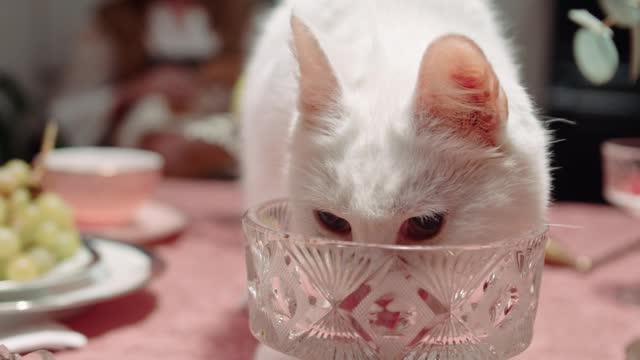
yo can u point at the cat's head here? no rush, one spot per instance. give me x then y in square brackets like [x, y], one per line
[435, 167]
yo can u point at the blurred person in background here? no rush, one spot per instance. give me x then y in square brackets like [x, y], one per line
[158, 74]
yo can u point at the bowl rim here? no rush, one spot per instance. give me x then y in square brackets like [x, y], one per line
[250, 219]
[152, 160]
[623, 146]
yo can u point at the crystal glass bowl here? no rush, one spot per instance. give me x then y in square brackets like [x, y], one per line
[318, 299]
[621, 173]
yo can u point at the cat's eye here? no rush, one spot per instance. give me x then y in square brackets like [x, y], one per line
[333, 223]
[422, 228]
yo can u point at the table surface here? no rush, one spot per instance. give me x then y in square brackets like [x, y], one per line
[192, 311]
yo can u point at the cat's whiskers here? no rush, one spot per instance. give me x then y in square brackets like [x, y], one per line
[548, 120]
[566, 226]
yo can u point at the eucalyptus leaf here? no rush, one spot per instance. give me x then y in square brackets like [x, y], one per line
[585, 19]
[625, 13]
[596, 55]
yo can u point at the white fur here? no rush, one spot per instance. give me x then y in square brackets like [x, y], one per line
[373, 169]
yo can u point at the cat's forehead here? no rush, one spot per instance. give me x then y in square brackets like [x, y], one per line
[380, 174]
[377, 165]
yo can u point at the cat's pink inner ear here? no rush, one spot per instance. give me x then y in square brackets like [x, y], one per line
[318, 84]
[457, 88]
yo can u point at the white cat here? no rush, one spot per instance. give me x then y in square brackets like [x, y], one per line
[394, 122]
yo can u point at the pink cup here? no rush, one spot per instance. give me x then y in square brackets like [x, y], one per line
[105, 186]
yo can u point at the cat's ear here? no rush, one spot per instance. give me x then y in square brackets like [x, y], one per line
[319, 88]
[457, 88]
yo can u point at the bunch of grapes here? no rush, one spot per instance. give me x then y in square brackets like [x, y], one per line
[37, 231]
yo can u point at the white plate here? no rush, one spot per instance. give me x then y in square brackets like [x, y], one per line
[68, 272]
[154, 221]
[123, 269]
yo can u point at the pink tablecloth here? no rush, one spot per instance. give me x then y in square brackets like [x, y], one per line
[192, 310]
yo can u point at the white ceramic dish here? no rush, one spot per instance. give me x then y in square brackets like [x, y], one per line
[104, 160]
[123, 269]
[154, 221]
[66, 274]
[105, 186]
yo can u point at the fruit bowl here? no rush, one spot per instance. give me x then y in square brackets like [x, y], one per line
[38, 237]
[68, 273]
[318, 299]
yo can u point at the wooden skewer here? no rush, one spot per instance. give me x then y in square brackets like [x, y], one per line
[556, 254]
[48, 143]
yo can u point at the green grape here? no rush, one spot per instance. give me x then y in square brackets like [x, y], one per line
[22, 268]
[596, 55]
[9, 244]
[20, 170]
[52, 207]
[43, 259]
[48, 199]
[45, 233]
[19, 200]
[4, 211]
[30, 214]
[8, 181]
[25, 222]
[65, 244]
[44, 227]
[3, 270]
